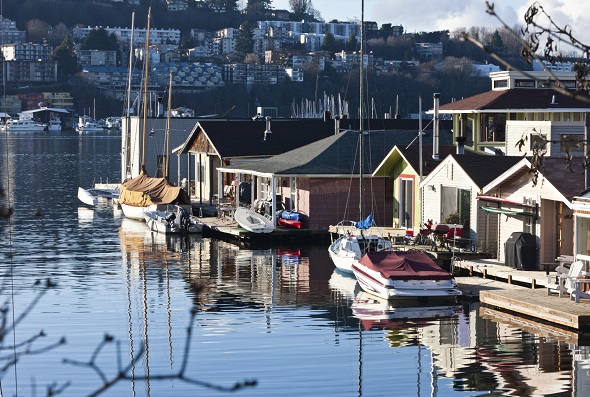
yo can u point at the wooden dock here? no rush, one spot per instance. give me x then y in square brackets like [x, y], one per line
[227, 229]
[524, 294]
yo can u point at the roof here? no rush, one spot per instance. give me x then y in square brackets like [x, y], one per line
[411, 155]
[481, 168]
[245, 138]
[44, 109]
[516, 99]
[335, 155]
[568, 182]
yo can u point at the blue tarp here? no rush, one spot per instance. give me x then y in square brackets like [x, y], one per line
[364, 225]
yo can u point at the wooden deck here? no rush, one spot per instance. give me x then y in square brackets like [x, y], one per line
[227, 228]
[523, 293]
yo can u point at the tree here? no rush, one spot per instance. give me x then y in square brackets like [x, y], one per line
[257, 7]
[245, 39]
[37, 30]
[299, 8]
[329, 43]
[352, 43]
[100, 39]
[65, 56]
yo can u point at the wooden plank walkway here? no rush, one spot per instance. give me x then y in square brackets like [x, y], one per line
[525, 295]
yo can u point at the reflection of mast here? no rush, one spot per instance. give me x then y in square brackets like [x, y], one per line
[169, 311]
[360, 389]
[145, 327]
[130, 322]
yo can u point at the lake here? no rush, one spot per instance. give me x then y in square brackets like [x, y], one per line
[104, 307]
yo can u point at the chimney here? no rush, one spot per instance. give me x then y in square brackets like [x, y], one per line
[267, 132]
[435, 128]
[336, 125]
[160, 109]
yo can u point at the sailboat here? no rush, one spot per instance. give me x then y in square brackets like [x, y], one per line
[143, 192]
[352, 243]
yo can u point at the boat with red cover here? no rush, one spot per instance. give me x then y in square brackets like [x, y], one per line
[403, 274]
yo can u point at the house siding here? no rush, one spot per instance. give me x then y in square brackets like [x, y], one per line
[516, 130]
[450, 175]
[329, 201]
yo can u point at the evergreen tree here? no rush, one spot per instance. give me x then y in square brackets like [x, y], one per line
[245, 39]
[65, 56]
[329, 43]
[100, 39]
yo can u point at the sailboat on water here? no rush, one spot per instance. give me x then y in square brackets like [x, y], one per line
[352, 242]
[144, 192]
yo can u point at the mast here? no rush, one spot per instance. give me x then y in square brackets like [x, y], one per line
[361, 93]
[168, 129]
[146, 72]
[127, 171]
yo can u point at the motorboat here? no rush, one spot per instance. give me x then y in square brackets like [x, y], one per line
[253, 221]
[92, 196]
[113, 123]
[351, 244]
[89, 126]
[173, 220]
[403, 274]
[23, 125]
[54, 124]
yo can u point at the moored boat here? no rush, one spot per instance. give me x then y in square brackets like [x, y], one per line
[23, 125]
[351, 244]
[253, 221]
[403, 274]
[173, 220]
[92, 196]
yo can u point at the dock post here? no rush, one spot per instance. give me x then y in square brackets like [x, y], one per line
[533, 283]
[485, 273]
[510, 279]
[471, 271]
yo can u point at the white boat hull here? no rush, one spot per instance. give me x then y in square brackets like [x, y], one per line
[346, 249]
[373, 282]
[253, 221]
[135, 212]
[92, 196]
[172, 221]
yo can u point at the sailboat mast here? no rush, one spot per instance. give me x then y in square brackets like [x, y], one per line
[127, 154]
[145, 85]
[168, 128]
[361, 93]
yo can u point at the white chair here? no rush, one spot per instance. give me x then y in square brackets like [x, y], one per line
[565, 280]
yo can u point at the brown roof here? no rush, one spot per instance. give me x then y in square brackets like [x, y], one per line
[569, 182]
[518, 99]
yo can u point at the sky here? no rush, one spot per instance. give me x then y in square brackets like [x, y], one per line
[433, 15]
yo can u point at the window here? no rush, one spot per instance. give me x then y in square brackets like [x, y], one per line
[500, 83]
[494, 129]
[455, 200]
[406, 202]
[529, 222]
[525, 83]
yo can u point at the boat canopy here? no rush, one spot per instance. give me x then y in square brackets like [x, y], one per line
[144, 190]
[404, 265]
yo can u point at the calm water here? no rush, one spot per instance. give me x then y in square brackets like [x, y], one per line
[282, 317]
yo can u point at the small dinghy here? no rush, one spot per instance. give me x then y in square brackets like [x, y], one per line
[253, 221]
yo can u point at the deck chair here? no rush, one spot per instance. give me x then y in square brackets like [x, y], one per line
[565, 279]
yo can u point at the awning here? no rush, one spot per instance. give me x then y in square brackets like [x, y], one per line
[504, 211]
[503, 201]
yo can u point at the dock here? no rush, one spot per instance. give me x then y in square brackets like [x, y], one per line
[227, 229]
[522, 295]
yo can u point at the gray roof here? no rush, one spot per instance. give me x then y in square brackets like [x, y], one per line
[334, 155]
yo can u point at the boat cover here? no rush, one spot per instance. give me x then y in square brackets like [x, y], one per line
[144, 190]
[365, 224]
[404, 265]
